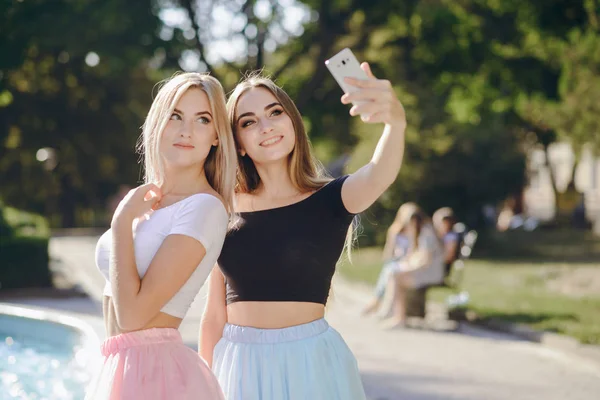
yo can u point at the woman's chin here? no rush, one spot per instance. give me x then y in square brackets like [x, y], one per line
[272, 160]
[276, 156]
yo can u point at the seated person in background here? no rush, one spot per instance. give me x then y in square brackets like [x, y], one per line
[423, 265]
[443, 221]
[395, 249]
[506, 216]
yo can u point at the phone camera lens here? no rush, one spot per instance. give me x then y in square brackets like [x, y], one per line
[343, 62]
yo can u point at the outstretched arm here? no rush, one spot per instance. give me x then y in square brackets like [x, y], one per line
[378, 104]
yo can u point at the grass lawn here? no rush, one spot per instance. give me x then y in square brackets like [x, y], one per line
[547, 280]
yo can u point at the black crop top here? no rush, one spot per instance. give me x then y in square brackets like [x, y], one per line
[287, 253]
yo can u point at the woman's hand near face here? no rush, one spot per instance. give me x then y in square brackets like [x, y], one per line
[136, 203]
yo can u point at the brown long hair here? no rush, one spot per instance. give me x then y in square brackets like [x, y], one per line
[406, 213]
[403, 215]
[418, 218]
[306, 172]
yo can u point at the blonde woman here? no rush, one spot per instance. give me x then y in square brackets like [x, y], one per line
[263, 329]
[164, 240]
[395, 252]
[423, 265]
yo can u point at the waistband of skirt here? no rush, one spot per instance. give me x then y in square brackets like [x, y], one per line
[127, 340]
[248, 334]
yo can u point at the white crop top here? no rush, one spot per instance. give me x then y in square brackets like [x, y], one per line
[200, 216]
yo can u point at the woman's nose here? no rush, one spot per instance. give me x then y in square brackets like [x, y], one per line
[186, 130]
[265, 126]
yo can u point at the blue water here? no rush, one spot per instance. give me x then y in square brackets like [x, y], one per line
[40, 360]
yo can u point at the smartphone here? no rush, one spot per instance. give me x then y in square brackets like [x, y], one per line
[344, 64]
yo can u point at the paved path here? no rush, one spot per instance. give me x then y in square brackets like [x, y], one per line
[407, 364]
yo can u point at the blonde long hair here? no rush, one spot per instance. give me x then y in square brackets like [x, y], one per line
[306, 172]
[220, 165]
[405, 211]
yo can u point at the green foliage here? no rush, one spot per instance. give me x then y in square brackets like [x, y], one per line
[24, 223]
[24, 262]
[79, 83]
[544, 279]
[5, 229]
[575, 115]
[543, 245]
[481, 81]
[23, 249]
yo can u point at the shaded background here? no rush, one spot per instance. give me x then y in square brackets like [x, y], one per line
[484, 82]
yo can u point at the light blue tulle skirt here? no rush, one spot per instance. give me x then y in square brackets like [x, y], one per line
[303, 362]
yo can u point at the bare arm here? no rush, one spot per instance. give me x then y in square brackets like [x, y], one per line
[380, 105]
[429, 246]
[390, 244]
[420, 258]
[214, 316]
[450, 252]
[137, 300]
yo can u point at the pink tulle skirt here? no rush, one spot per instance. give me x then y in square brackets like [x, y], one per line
[152, 364]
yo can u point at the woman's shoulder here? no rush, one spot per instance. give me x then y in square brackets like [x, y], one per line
[331, 194]
[208, 198]
[202, 203]
[329, 187]
[332, 183]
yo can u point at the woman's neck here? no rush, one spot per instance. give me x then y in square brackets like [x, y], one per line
[184, 182]
[275, 181]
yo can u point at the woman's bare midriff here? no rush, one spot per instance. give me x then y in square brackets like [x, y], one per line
[162, 320]
[273, 314]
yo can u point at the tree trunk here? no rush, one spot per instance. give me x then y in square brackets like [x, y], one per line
[552, 177]
[188, 5]
[573, 172]
[260, 44]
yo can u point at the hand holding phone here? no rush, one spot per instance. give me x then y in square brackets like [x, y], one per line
[374, 99]
[344, 64]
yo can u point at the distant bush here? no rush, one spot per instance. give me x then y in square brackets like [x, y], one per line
[546, 244]
[24, 256]
[25, 223]
[5, 229]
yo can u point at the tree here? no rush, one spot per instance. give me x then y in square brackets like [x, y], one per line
[476, 76]
[482, 66]
[82, 91]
